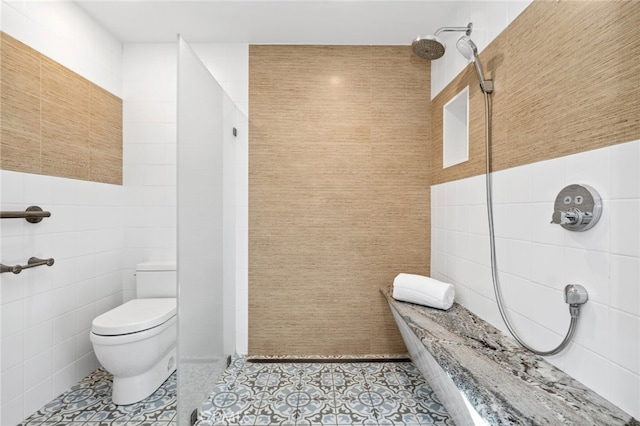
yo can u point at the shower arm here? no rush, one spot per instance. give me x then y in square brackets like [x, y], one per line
[466, 30]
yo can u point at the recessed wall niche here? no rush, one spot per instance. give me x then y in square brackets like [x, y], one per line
[455, 140]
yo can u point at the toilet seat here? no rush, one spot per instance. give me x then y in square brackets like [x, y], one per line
[135, 316]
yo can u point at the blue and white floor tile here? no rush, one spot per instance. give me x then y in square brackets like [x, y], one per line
[89, 404]
[371, 393]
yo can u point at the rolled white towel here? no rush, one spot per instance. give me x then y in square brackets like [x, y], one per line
[423, 291]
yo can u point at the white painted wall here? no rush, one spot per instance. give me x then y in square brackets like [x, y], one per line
[537, 259]
[47, 312]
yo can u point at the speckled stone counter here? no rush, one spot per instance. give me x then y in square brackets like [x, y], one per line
[504, 383]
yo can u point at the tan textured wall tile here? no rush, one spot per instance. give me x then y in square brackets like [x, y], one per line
[55, 122]
[567, 79]
[333, 174]
[65, 142]
[105, 137]
[66, 89]
[20, 99]
[20, 152]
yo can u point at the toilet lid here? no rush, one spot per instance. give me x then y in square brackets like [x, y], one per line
[134, 316]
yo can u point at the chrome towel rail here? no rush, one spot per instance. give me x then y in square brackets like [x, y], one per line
[33, 214]
[31, 263]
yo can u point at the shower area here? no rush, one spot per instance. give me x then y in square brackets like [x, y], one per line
[210, 130]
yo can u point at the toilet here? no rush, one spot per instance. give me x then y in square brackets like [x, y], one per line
[136, 341]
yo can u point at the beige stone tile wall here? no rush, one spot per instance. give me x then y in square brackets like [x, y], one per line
[338, 194]
[54, 122]
[567, 80]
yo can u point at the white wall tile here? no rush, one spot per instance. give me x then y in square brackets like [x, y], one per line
[12, 318]
[624, 227]
[38, 339]
[549, 309]
[625, 291]
[517, 294]
[63, 379]
[625, 175]
[591, 369]
[12, 410]
[64, 354]
[12, 290]
[12, 350]
[64, 327]
[85, 365]
[517, 258]
[625, 391]
[12, 383]
[590, 269]
[38, 368]
[516, 220]
[542, 230]
[604, 259]
[625, 331]
[547, 265]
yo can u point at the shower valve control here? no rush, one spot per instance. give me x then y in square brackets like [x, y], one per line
[577, 208]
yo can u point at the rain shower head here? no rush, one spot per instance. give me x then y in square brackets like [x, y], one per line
[428, 47]
[469, 50]
[431, 47]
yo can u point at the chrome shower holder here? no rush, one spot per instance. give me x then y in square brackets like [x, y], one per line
[575, 295]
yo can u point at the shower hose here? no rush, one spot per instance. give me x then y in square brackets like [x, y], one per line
[492, 238]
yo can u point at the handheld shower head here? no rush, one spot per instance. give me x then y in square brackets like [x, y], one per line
[469, 50]
[467, 47]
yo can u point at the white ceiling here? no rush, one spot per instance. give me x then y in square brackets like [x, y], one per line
[273, 22]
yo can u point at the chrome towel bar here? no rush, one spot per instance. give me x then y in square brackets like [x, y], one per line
[31, 263]
[33, 214]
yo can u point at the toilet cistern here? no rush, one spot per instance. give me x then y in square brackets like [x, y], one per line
[136, 341]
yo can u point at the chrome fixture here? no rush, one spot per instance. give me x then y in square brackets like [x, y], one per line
[31, 263]
[33, 214]
[431, 46]
[575, 295]
[577, 208]
[469, 50]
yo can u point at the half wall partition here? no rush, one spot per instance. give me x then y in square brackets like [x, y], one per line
[209, 123]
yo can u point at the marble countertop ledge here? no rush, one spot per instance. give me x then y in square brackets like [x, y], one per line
[504, 382]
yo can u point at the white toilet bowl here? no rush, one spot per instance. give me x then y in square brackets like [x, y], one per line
[136, 342]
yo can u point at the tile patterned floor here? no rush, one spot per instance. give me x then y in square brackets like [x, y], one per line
[89, 404]
[286, 394]
[375, 393]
